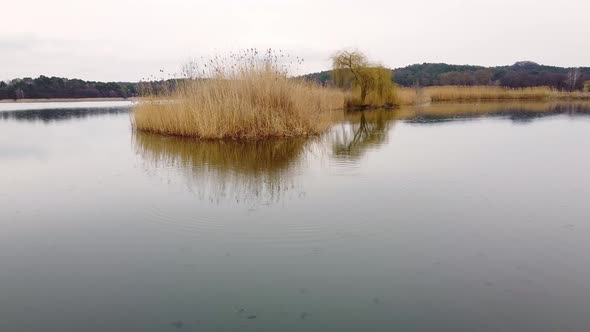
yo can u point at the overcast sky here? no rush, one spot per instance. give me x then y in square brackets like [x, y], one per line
[126, 40]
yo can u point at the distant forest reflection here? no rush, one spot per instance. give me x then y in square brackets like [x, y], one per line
[51, 115]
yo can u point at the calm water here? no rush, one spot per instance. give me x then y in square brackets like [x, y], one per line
[425, 224]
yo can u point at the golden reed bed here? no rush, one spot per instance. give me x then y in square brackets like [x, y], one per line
[242, 97]
[413, 96]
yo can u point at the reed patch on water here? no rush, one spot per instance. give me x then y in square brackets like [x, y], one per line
[434, 94]
[474, 93]
[242, 96]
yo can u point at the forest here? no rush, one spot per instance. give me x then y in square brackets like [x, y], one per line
[519, 75]
[57, 87]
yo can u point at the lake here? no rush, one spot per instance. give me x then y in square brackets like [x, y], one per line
[409, 220]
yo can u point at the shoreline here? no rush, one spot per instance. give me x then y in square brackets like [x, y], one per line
[62, 100]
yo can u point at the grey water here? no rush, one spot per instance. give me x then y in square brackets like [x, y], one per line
[385, 223]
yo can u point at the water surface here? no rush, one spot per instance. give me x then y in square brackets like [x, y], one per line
[412, 220]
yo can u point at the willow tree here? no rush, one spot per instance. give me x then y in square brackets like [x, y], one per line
[352, 69]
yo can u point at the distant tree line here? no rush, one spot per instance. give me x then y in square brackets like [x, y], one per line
[518, 75]
[57, 87]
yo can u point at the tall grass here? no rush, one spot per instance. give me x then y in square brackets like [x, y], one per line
[419, 96]
[571, 95]
[412, 96]
[474, 93]
[241, 96]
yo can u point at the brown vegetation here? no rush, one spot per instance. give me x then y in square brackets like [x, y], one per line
[243, 96]
[474, 93]
[419, 96]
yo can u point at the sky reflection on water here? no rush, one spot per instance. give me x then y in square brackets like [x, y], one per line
[384, 223]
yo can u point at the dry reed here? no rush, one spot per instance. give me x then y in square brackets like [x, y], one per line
[475, 93]
[242, 96]
[412, 96]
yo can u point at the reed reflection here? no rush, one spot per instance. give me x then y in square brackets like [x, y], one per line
[240, 171]
[521, 112]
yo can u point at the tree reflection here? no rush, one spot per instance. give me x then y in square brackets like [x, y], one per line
[361, 132]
